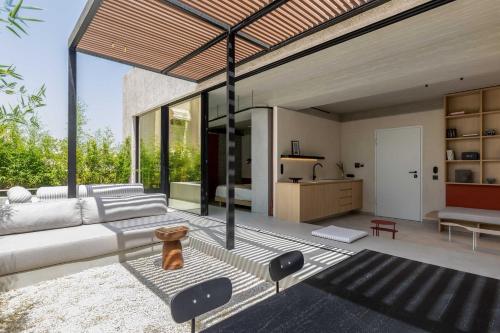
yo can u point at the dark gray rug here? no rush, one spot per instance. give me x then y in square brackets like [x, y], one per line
[376, 292]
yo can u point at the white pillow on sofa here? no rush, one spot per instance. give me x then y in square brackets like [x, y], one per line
[36, 216]
[18, 194]
[107, 209]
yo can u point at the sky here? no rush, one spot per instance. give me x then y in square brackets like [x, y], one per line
[41, 57]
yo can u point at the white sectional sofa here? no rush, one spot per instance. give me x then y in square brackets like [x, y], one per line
[104, 219]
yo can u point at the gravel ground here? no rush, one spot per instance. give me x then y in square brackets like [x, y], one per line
[128, 297]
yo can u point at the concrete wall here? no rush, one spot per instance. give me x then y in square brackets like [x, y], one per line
[260, 160]
[144, 91]
[317, 136]
[358, 145]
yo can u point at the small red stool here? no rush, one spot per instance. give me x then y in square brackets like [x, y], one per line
[376, 229]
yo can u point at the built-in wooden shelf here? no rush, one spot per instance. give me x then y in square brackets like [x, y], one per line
[491, 112]
[481, 107]
[465, 115]
[302, 157]
[464, 138]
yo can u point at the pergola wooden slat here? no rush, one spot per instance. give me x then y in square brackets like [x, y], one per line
[177, 36]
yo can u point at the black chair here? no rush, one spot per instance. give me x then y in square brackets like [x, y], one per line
[284, 265]
[199, 299]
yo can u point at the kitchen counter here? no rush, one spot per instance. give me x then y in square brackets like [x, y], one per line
[315, 200]
[322, 181]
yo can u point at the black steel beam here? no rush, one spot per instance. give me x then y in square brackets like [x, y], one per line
[136, 150]
[72, 124]
[339, 40]
[196, 52]
[204, 153]
[213, 21]
[258, 15]
[230, 141]
[164, 156]
[83, 22]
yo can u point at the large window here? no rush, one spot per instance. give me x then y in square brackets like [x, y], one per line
[185, 155]
[149, 150]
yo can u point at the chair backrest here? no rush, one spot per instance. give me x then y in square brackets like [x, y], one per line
[200, 298]
[286, 264]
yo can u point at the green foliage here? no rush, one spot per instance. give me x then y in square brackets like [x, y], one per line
[23, 112]
[184, 163]
[31, 157]
[150, 165]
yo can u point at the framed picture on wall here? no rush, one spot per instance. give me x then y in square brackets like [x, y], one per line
[295, 148]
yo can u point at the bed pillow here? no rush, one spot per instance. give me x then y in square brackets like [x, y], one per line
[107, 209]
[18, 194]
[36, 216]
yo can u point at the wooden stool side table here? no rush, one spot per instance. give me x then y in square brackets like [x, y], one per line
[172, 247]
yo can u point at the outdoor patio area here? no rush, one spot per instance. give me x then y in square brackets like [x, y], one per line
[281, 166]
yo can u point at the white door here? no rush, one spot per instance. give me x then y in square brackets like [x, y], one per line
[398, 175]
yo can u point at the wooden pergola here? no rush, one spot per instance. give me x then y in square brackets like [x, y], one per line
[196, 40]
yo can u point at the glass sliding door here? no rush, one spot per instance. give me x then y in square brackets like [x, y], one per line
[184, 155]
[149, 150]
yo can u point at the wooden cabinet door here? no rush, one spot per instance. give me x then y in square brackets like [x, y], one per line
[357, 195]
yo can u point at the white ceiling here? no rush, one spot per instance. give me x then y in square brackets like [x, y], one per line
[391, 66]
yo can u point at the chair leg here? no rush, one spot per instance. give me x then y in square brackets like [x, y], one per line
[193, 324]
[449, 233]
[277, 287]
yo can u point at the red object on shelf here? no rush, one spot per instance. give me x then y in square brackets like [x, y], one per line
[473, 196]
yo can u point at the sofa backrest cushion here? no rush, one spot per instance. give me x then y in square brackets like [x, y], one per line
[84, 191]
[36, 216]
[107, 209]
[52, 193]
[18, 194]
[110, 190]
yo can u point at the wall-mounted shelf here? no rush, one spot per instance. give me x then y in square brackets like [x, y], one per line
[302, 157]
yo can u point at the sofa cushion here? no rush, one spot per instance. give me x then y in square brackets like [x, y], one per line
[106, 209]
[470, 214]
[37, 216]
[46, 193]
[28, 251]
[111, 190]
[18, 194]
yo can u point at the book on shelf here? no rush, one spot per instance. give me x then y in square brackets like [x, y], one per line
[467, 135]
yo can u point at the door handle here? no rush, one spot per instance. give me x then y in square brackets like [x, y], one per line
[413, 172]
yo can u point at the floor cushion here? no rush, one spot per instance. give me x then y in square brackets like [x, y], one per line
[339, 234]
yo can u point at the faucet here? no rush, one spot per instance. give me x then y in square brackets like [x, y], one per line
[314, 169]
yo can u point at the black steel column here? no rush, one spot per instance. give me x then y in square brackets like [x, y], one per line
[230, 142]
[72, 123]
[204, 154]
[164, 170]
[136, 150]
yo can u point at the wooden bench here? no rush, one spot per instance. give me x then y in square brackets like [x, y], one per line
[477, 221]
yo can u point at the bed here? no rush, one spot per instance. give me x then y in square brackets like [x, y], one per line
[242, 194]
